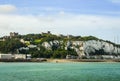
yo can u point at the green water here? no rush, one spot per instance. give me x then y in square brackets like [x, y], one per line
[59, 71]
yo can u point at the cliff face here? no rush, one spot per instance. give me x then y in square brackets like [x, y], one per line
[91, 47]
[48, 45]
[100, 47]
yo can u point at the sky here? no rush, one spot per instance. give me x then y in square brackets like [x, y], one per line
[100, 18]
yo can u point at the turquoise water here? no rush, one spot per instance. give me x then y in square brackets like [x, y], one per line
[59, 71]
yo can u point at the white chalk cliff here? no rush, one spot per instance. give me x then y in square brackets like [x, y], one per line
[85, 47]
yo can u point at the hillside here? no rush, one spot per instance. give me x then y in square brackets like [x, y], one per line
[47, 45]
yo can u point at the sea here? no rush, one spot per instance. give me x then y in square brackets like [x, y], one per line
[74, 71]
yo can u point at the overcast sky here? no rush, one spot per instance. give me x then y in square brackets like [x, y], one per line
[100, 18]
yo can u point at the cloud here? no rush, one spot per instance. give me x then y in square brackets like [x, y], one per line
[61, 12]
[48, 8]
[7, 8]
[76, 24]
[115, 1]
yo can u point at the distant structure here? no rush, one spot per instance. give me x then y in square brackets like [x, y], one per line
[48, 32]
[69, 36]
[60, 35]
[71, 57]
[3, 39]
[12, 34]
[15, 56]
[5, 56]
[116, 39]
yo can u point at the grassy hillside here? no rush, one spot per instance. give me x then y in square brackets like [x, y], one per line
[34, 44]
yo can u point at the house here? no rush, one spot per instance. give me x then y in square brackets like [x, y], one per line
[71, 57]
[32, 46]
[28, 56]
[2, 39]
[108, 57]
[23, 41]
[15, 56]
[22, 56]
[5, 56]
[19, 56]
[5, 37]
[24, 48]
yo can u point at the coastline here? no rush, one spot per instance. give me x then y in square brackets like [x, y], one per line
[59, 60]
[82, 60]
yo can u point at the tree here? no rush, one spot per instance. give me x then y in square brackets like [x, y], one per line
[10, 46]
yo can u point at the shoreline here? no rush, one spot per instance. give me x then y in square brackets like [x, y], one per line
[82, 60]
[59, 60]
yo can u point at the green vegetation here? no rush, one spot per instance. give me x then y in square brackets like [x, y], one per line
[37, 41]
[10, 46]
[57, 50]
[13, 45]
[85, 38]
